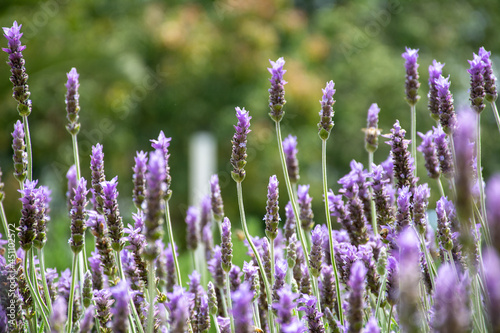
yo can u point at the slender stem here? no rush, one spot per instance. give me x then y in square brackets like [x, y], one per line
[229, 303]
[495, 112]
[414, 135]
[216, 324]
[330, 236]
[4, 221]
[72, 293]
[372, 202]
[440, 185]
[255, 252]
[389, 321]
[36, 296]
[171, 236]
[35, 280]
[28, 147]
[76, 155]
[294, 202]
[256, 318]
[273, 269]
[380, 293]
[41, 257]
[480, 175]
[152, 295]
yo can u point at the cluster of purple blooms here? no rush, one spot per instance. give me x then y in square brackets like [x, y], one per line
[386, 269]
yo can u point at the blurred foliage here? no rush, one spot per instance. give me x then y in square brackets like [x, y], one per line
[182, 66]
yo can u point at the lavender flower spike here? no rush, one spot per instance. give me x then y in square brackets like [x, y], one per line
[357, 283]
[443, 225]
[447, 115]
[78, 214]
[113, 217]
[489, 77]
[72, 184]
[492, 284]
[450, 310]
[316, 255]
[140, 168]
[277, 90]
[372, 326]
[43, 217]
[272, 217]
[178, 306]
[97, 172]
[72, 104]
[226, 246]
[326, 124]
[27, 223]
[428, 149]
[477, 91]
[239, 154]
[120, 310]
[162, 145]
[242, 308]
[312, 315]
[443, 152]
[371, 131]
[411, 83]
[20, 156]
[216, 197]
[19, 78]
[154, 181]
[292, 163]
[306, 213]
[192, 233]
[59, 314]
[435, 70]
[421, 201]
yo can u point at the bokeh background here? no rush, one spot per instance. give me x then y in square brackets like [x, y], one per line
[182, 66]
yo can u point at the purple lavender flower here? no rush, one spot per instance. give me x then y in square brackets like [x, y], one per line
[215, 267]
[120, 310]
[491, 263]
[280, 275]
[215, 195]
[19, 77]
[326, 124]
[72, 103]
[464, 154]
[87, 289]
[96, 271]
[403, 216]
[313, 316]
[226, 246]
[451, 311]
[428, 149]
[88, 320]
[97, 173]
[170, 267]
[42, 217]
[20, 156]
[272, 217]
[285, 306]
[357, 176]
[382, 196]
[411, 83]
[205, 213]
[421, 201]
[2, 193]
[477, 83]
[212, 299]
[493, 209]
[443, 225]
[447, 115]
[192, 233]
[306, 214]
[234, 276]
[372, 326]
[337, 208]
[489, 78]
[242, 308]
[409, 276]
[28, 222]
[292, 163]
[140, 168]
[72, 184]
[392, 281]
[162, 144]
[103, 302]
[239, 154]
[443, 152]
[154, 181]
[265, 254]
[112, 213]
[435, 70]
[327, 289]
[59, 314]
[137, 244]
[78, 214]
[403, 162]
[357, 282]
[277, 90]
[224, 324]
[388, 166]
[178, 306]
[316, 255]
[290, 223]
[208, 241]
[251, 275]
[103, 244]
[372, 131]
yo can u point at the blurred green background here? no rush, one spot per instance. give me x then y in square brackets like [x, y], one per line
[182, 66]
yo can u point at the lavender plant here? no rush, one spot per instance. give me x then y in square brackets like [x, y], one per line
[381, 268]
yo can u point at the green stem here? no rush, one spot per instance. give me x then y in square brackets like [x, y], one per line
[273, 269]
[380, 293]
[72, 293]
[216, 324]
[482, 204]
[28, 147]
[372, 202]
[294, 203]
[440, 185]
[229, 302]
[152, 295]
[389, 321]
[330, 236]
[255, 252]
[495, 113]
[414, 135]
[35, 295]
[172, 243]
[41, 257]
[35, 280]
